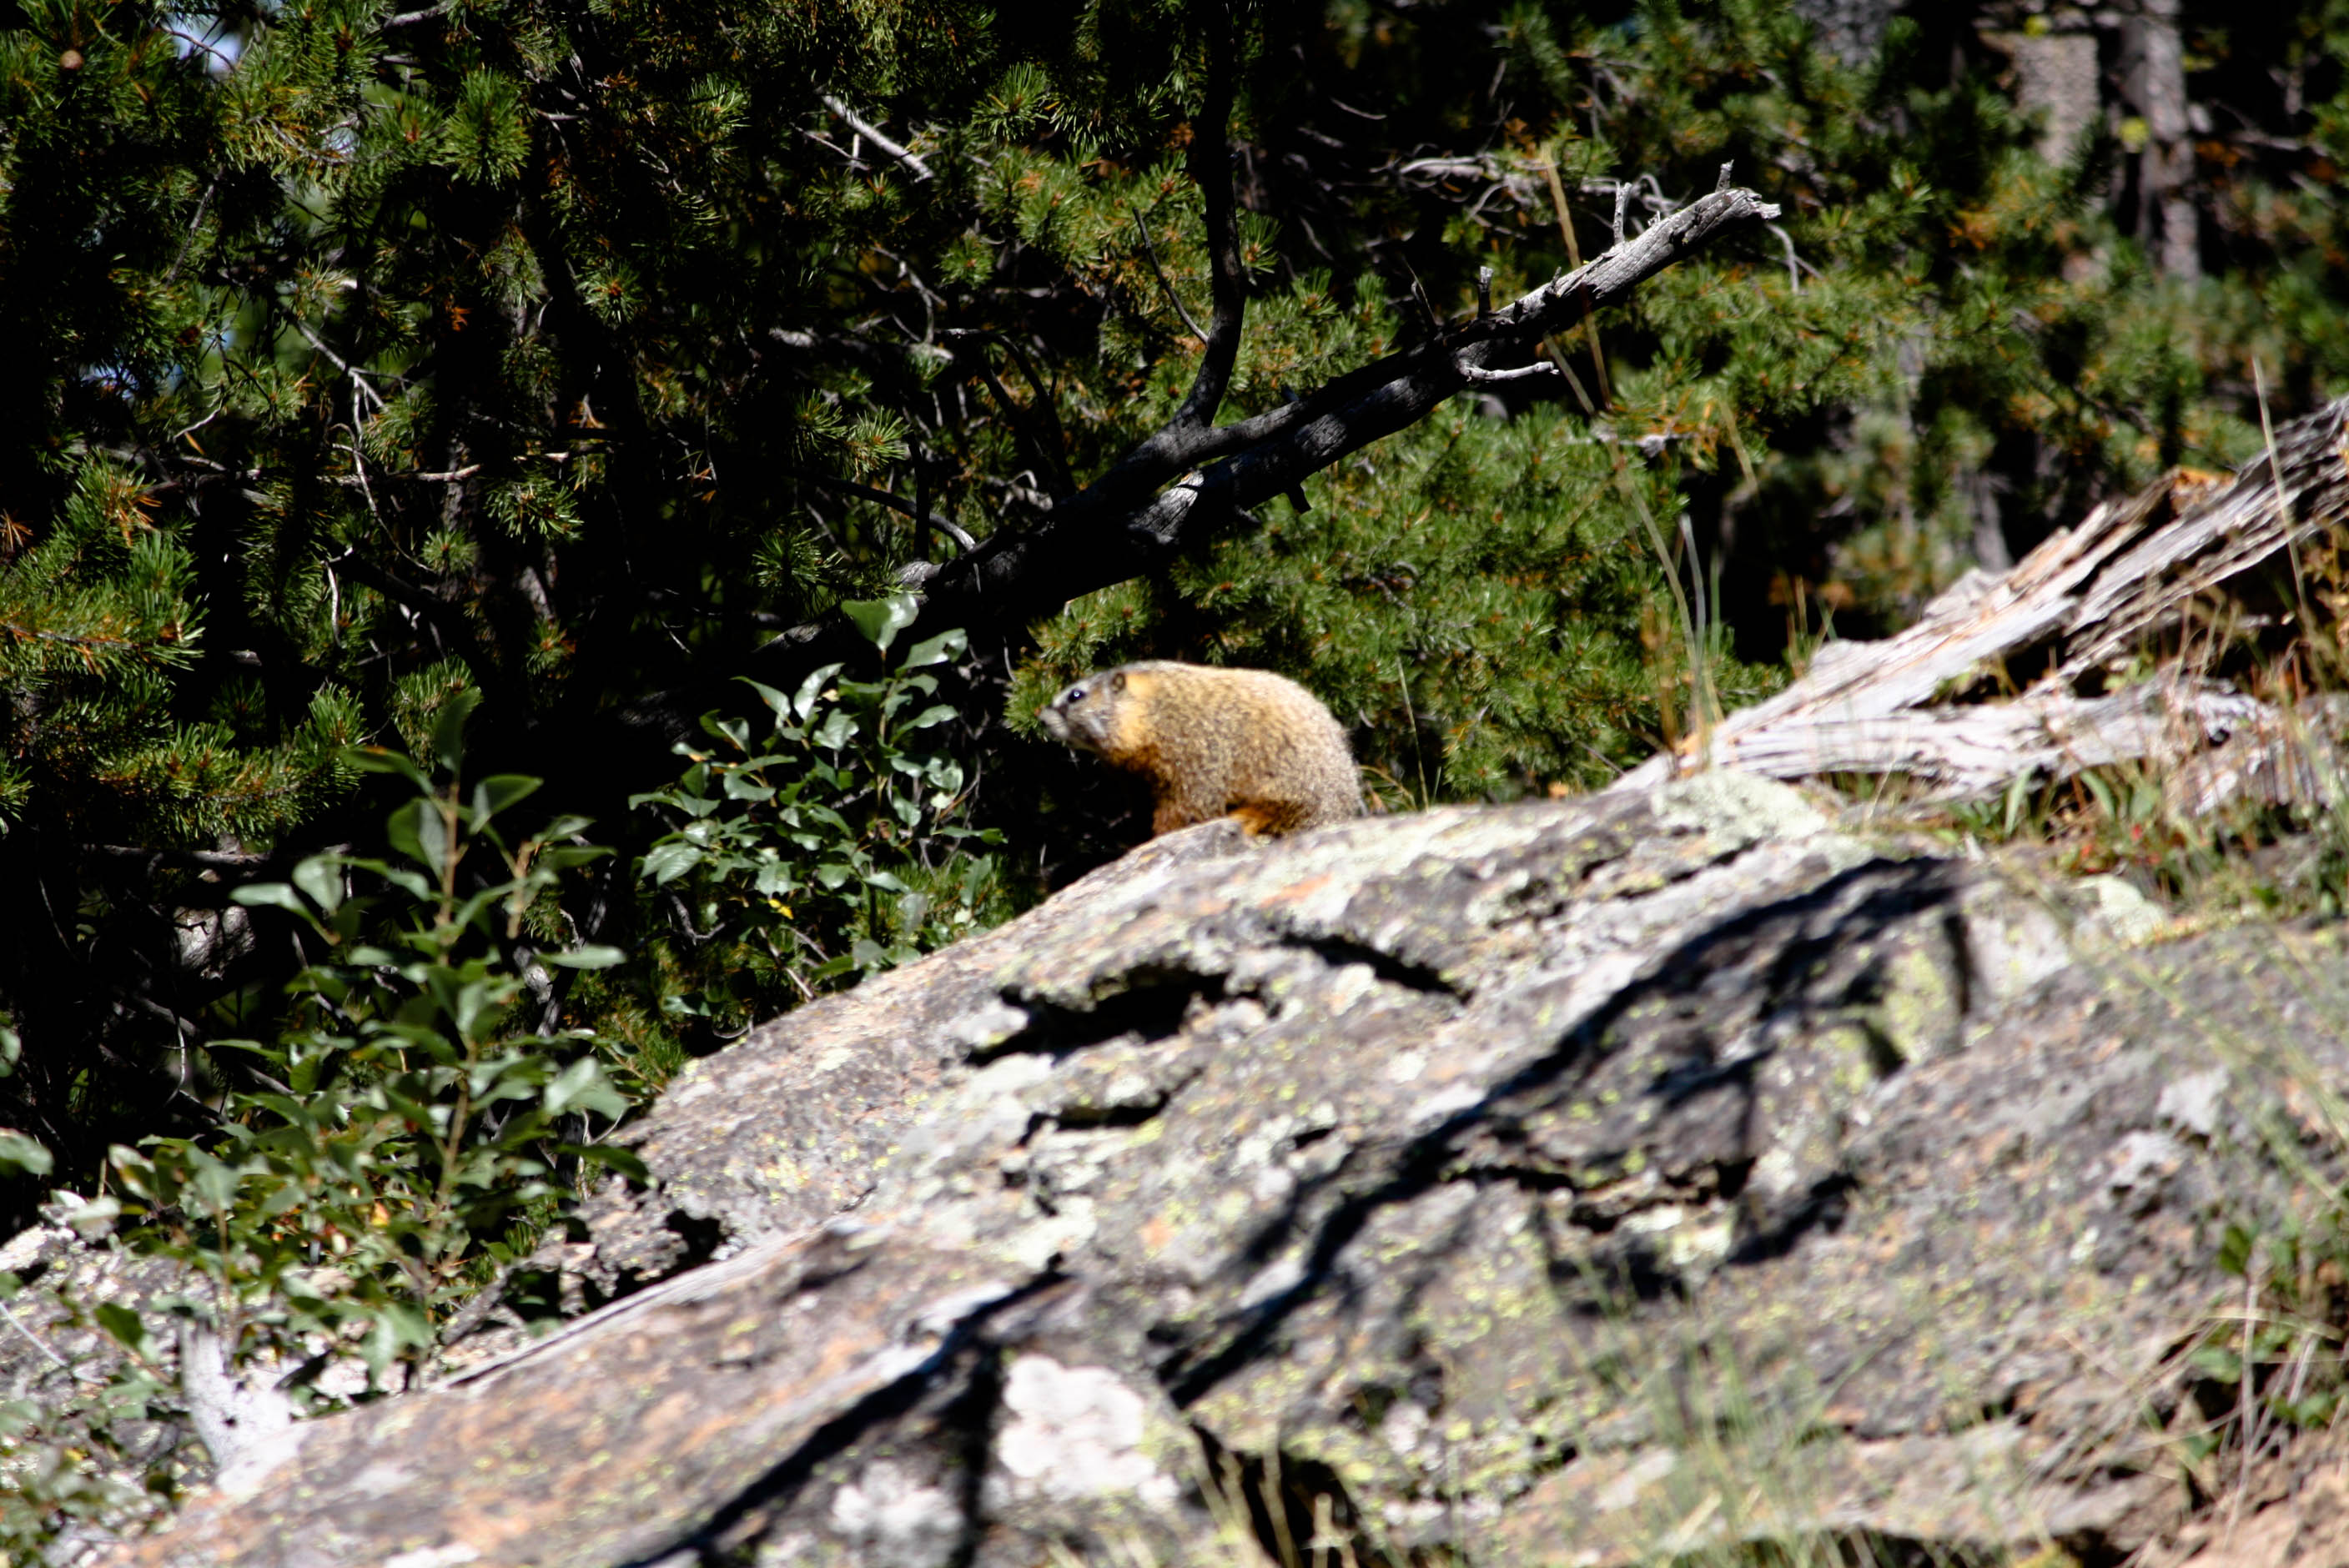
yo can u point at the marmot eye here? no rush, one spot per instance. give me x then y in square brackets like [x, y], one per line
[1075, 693]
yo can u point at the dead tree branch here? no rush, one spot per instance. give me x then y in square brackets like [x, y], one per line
[1208, 162]
[2085, 608]
[872, 133]
[1186, 479]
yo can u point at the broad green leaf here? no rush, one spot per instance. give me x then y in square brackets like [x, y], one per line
[321, 876]
[938, 650]
[838, 728]
[448, 727]
[584, 1086]
[214, 1180]
[418, 830]
[624, 1161]
[939, 714]
[381, 759]
[274, 895]
[498, 791]
[589, 956]
[137, 1175]
[882, 619]
[666, 862]
[2235, 1245]
[805, 702]
[21, 1155]
[126, 1327]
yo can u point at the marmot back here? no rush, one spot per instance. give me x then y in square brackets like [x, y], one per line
[1215, 743]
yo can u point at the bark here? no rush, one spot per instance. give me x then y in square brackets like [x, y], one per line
[2057, 78]
[2155, 86]
[2091, 606]
[1193, 477]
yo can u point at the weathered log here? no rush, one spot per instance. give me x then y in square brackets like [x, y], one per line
[2088, 604]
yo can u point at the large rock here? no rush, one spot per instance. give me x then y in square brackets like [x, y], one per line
[1557, 1183]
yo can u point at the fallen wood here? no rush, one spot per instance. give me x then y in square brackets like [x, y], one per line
[2278, 760]
[1975, 749]
[2085, 609]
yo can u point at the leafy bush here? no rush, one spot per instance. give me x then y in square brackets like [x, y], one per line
[828, 849]
[95, 1452]
[412, 1110]
[420, 1116]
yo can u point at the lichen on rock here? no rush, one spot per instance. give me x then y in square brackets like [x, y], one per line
[1482, 1181]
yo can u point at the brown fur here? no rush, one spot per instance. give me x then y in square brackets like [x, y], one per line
[1214, 743]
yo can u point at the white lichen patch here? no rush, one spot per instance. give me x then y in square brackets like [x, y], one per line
[893, 1520]
[1628, 1488]
[1072, 1433]
[1734, 810]
[2117, 910]
[991, 1023]
[2191, 1103]
[455, 1554]
[1039, 1244]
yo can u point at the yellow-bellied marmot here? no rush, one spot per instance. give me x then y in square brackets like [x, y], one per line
[1215, 743]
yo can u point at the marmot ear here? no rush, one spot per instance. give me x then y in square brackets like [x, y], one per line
[1117, 681]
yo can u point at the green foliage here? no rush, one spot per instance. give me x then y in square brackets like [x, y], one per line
[19, 1155]
[830, 848]
[1476, 601]
[95, 621]
[370, 367]
[100, 1420]
[410, 1120]
[2275, 1352]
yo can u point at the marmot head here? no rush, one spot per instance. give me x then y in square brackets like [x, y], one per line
[1080, 715]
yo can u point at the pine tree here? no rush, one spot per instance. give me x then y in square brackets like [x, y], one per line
[582, 360]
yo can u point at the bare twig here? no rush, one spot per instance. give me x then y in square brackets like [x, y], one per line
[1172, 298]
[872, 133]
[1209, 161]
[469, 1316]
[359, 467]
[1794, 263]
[1044, 449]
[359, 376]
[195, 224]
[1476, 377]
[945, 525]
[32, 1339]
[420, 476]
[2282, 501]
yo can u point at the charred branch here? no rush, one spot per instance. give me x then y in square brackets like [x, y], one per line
[1209, 162]
[1189, 478]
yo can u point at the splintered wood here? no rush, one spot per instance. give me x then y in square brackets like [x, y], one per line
[2107, 611]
